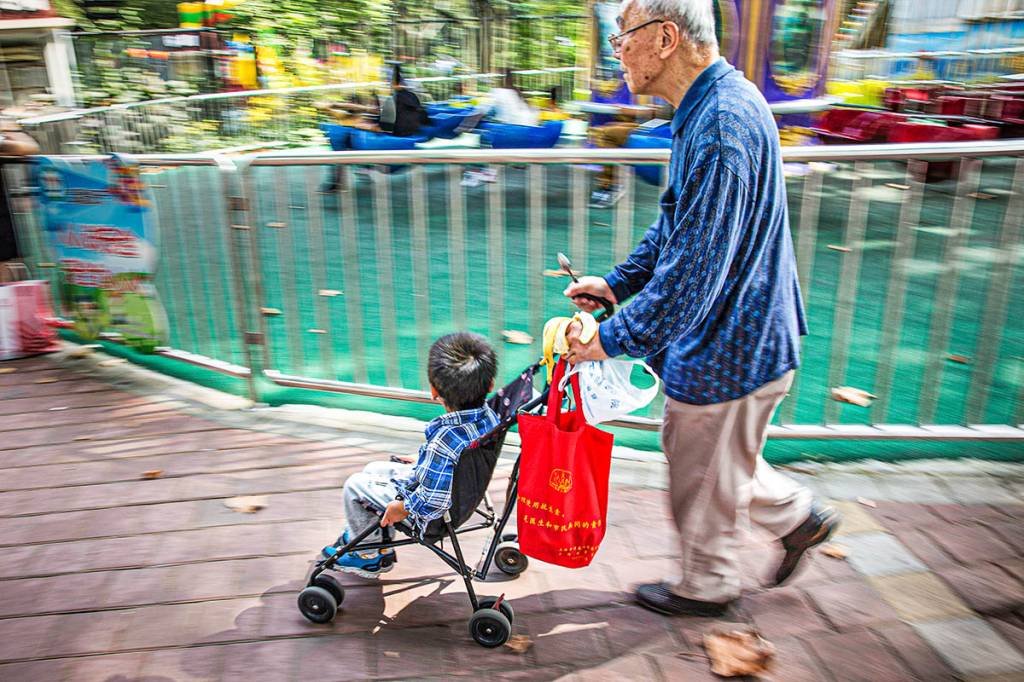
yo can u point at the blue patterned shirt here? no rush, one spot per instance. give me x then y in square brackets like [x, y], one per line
[716, 302]
[428, 489]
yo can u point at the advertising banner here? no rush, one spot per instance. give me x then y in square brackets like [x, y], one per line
[99, 221]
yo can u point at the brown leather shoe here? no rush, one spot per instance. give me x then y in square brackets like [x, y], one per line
[818, 528]
[660, 598]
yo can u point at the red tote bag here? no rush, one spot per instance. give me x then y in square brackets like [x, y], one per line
[563, 481]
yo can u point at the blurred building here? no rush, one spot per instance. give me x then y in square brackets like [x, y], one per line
[33, 58]
[936, 25]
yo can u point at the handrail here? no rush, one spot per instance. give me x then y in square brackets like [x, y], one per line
[266, 92]
[923, 151]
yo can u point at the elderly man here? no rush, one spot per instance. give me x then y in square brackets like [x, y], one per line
[715, 304]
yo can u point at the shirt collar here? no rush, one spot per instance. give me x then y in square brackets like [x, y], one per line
[476, 414]
[698, 90]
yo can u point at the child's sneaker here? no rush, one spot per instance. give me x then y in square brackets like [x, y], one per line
[364, 564]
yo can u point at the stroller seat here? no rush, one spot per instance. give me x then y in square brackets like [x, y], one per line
[491, 622]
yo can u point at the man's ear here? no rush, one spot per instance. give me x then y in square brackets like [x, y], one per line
[491, 387]
[669, 39]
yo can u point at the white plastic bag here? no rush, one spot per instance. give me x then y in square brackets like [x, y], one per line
[608, 392]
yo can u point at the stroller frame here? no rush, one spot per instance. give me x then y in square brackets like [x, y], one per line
[491, 622]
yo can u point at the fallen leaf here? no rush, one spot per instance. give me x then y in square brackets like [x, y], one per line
[270, 311]
[834, 551]
[8, 370]
[47, 380]
[58, 409]
[317, 331]
[392, 654]
[559, 273]
[519, 643]
[735, 653]
[152, 473]
[82, 352]
[867, 503]
[77, 438]
[111, 362]
[841, 249]
[330, 293]
[517, 337]
[962, 359]
[854, 396]
[246, 504]
[896, 185]
[981, 196]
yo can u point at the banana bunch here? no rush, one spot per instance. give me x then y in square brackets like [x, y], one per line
[556, 341]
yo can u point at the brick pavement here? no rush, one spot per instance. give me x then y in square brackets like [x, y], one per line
[104, 576]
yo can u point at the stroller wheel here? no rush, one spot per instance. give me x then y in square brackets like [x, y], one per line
[505, 608]
[332, 586]
[509, 559]
[317, 604]
[489, 628]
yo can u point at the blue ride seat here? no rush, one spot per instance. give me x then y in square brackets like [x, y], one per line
[509, 136]
[338, 136]
[649, 174]
[365, 140]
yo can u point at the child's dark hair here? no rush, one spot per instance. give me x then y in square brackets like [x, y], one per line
[461, 367]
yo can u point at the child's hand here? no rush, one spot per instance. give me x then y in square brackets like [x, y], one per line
[394, 513]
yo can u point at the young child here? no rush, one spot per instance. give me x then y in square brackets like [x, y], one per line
[461, 369]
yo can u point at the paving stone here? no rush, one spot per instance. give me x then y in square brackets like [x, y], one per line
[1011, 627]
[985, 587]
[1013, 567]
[570, 637]
[633, 628]
[924, 548]
[850, 604]
[783, 611]
[274, 660]
[979, 490]
[919, 597]
[855, 519]
[971, 646]
[915, 652]
[969, 514]
[898, 516]
[794, 662]
[971, 544]
[880, 554]
[1011, 532]
[857, 656]
[679, 667]
[840, 486]
[921, 489]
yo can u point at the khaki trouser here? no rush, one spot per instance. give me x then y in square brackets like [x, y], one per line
[717, 475]
[610, 136]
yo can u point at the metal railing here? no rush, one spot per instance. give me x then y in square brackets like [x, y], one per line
[215, 121]
[910, 286]
[955, 67]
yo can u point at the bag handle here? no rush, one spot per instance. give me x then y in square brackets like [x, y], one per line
[556, 394]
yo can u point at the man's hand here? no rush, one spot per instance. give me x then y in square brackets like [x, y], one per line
[595, 286]
[393, 513]
[580, 352]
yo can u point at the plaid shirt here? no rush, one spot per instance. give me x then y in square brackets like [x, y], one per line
[428, 490]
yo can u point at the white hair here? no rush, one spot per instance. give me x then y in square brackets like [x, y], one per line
[695, 18]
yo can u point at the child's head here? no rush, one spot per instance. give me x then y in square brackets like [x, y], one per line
[461, 369]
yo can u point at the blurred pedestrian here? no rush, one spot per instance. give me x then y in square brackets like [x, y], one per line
[13, 142]
[716, 307]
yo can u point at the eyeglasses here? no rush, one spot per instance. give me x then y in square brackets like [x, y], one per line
[616, 39]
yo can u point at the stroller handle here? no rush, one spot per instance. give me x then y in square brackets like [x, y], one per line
[609, 307]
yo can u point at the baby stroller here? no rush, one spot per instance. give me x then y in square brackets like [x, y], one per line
[491, 622]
